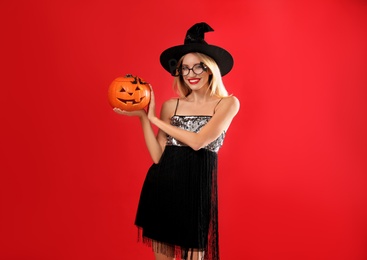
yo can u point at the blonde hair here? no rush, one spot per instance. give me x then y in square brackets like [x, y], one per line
[216, 85]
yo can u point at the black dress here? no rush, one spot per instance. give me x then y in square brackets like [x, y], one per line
[178, 209]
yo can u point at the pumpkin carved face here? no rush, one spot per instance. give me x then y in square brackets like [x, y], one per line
[129, 93]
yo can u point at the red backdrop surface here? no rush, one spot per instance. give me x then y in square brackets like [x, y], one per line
[293, 168]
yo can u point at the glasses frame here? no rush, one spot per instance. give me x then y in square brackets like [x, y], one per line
[179, 69]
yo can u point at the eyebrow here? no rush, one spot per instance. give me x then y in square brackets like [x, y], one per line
[192, 65]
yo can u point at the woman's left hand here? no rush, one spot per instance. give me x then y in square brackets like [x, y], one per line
[151, 109]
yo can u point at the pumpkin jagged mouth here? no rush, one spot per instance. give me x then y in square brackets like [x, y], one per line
[131, 101]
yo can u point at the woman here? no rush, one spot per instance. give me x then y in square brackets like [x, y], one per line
[177, 213]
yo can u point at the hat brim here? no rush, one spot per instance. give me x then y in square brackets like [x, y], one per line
[170, 57]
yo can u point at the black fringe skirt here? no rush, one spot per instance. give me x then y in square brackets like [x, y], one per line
[178, 207]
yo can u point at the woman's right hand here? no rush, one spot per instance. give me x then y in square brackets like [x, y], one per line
[140, 113]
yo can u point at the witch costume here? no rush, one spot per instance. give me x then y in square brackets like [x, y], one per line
[178, 207]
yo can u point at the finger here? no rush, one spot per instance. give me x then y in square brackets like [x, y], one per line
[151, 88]
[119, 111]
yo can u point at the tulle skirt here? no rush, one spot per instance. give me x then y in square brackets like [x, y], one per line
[178, 207]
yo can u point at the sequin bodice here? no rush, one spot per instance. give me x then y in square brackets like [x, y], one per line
[194, 124]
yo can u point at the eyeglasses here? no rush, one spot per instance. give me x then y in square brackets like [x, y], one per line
[198, 69]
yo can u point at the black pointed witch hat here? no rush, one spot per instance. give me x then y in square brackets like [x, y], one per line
[194, 42]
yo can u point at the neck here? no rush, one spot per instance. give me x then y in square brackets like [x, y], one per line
[201, 95]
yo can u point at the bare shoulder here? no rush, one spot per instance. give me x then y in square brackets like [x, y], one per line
[230, 102]
[168, 107]
[170, 103]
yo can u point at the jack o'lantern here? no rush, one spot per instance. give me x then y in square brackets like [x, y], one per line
[129, 93]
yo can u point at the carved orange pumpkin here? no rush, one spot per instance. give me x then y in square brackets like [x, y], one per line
[129, 93]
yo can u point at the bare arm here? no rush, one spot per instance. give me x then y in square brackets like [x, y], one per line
[220, 122]
[155, 144]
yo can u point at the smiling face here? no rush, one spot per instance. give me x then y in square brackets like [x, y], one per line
[192, 80]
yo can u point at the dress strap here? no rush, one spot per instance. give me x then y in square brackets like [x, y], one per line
[216, 105]
[176, 106]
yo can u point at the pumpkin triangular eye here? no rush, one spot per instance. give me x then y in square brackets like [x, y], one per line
[137, 88]
[122, 90]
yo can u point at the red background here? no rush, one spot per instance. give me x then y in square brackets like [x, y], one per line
[292, 171]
